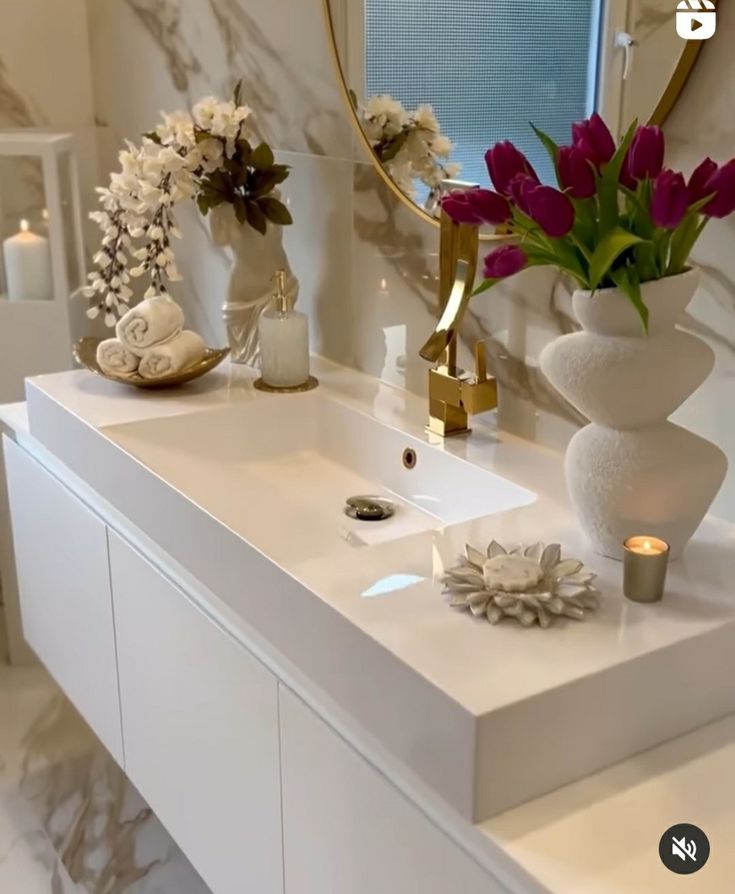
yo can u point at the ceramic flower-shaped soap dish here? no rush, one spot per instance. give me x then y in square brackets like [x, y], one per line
[533, 585]
[85, 353]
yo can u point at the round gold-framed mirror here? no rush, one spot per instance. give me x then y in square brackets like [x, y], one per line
[398, 59]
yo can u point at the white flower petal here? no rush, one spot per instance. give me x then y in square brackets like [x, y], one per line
[550, 556]
[566, 568]
[475, 556]
[570, 591]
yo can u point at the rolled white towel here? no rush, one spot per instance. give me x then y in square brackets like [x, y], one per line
[172, 356]
[152, 322]
[115, 359]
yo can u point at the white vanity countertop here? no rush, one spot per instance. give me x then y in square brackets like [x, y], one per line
[481, 676]
[601, 835]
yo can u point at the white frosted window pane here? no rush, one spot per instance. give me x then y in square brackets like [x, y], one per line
[487, 67]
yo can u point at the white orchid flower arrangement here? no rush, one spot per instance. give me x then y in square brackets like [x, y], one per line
[206, 156]
[409, 144]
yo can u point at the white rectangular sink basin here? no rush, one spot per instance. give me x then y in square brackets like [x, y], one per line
[278, 472]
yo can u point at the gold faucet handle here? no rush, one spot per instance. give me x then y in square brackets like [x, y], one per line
[480, 361]
[479, 395]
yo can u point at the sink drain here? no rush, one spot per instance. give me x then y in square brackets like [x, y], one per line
[369, 508]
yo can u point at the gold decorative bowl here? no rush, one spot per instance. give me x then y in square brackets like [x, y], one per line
[85, 353]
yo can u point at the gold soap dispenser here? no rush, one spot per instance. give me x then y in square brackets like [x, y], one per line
[284, 345]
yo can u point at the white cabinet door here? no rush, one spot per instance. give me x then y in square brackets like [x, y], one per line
[347, 830]
[200, 722]
[64, 591]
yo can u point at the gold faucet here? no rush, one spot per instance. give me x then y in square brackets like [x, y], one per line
[453, 393]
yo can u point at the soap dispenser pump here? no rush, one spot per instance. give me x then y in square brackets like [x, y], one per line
[284, 344]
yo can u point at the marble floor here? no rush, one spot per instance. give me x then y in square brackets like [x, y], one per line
[70, 822]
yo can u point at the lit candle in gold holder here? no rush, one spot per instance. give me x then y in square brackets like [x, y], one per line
[644, 572]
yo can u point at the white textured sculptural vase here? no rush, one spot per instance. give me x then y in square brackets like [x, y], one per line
[631, 470]
[256, 259]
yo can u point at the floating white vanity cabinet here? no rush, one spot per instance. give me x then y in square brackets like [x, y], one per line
[64, 590]
[200, 717]
[347, 829]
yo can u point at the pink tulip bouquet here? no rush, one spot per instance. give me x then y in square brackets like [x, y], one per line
[619, 217]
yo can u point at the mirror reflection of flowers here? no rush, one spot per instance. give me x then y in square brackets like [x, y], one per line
[409, 145]
[619, 217]
[207, 156]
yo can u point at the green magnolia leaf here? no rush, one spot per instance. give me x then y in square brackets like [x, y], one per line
[244, 151]
[265, 182]
[607, 252]
[608, 184]
[551, 148]
[203, 203]
[153, 137]
[262, 157]
[275, 211]
[237, 93]
[255, 217]
[390, 149]
[240, 209]
[217, 182]
[626, 279]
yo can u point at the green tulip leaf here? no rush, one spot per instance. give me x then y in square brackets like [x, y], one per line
[485, 285]
[626, 279]
[540, 257]
[682, 241]
[608, 251]
[551, 148]
[608, 184]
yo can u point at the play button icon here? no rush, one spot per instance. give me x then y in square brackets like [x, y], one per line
[696, 19]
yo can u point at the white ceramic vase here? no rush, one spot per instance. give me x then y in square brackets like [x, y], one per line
[631, 471]
[256, 257]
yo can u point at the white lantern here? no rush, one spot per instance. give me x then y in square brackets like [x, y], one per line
[41, 254]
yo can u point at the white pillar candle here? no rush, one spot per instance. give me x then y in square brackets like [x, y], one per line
[28, 266]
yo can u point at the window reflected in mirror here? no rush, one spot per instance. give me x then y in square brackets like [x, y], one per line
[434, 83]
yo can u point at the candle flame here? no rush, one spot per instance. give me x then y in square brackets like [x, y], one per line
[44, 214]
[383, 284]
[24, 226]
[647, 546]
